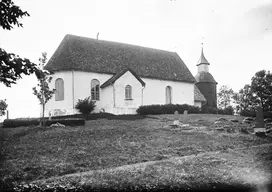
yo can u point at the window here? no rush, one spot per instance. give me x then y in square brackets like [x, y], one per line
[128, 92]
[95, 90]
[168, 93]
[59, 86]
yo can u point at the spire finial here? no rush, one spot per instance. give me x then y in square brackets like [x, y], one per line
[202, 59]
[202, 39]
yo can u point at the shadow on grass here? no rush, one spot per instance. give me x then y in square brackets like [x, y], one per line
[222, 187]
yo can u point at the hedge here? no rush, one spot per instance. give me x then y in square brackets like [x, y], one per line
[250, 113]
[166, 109]
[10, 123]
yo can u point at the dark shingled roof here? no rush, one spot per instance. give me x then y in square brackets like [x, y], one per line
[111, 80]
[204, 76]
[91, 55]
[198, 96]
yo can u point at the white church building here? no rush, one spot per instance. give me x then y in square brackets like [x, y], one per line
[119, 77]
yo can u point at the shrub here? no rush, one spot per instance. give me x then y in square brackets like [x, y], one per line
[251, 113]
[66, 122]
[9, 123]
[209, 110]
[227, 111]
[166, 109]
[85, 106]
[248, 113]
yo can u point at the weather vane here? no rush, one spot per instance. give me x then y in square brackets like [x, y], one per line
[202, 39]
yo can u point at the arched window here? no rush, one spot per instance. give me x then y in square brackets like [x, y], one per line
[95, 90]
[168, 95]
[128, 92]
[59, 86]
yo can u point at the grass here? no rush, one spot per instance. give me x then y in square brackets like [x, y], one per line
[122, 153]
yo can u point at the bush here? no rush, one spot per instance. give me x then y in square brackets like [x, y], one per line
[227, 111]
[209, 110]
[248, 113]
[9, 123]
[251, 113]
[166, 109]
[85, 106]
[66, 122]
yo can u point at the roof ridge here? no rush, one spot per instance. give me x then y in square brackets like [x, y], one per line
[115, 42]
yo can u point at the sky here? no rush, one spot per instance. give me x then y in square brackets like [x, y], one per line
[236, 36]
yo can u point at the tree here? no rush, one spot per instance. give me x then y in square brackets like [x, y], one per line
[261, 85]
[42, 91]
[3, 107]
[224, 97]
[244, 99]
[11, 65]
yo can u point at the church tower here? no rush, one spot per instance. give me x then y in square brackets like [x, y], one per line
[205, 81]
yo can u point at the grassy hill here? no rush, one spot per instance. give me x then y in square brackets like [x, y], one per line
[143, 153]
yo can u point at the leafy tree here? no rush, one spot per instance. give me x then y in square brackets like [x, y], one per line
[11, 65]
[3, 107]
[224, 97]
[42, 91]
[244, 99]
[261, 86]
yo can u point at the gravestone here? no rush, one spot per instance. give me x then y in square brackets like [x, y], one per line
[176, 118]
[50, 115]
[259, 125]
[185, 117]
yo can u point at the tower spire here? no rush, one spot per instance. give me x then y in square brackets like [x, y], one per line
[202, 59]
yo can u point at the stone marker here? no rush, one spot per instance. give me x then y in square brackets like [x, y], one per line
[185, 117]
[176, 118]
[50, 115]
[259, 125]
[57, 125]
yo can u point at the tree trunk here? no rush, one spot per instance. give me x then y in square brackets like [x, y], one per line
[43, 115]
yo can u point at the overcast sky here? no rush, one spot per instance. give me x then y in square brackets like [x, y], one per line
[237, 35]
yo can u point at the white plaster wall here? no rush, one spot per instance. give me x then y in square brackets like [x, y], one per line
[203, 67]
[197, 104]
[66, 105]
[123, 106]
[154, 92]
[82, 89]
[107, 99]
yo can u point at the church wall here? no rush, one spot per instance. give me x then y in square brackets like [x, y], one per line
[82, 89]
[154, 92]
[203, 68]
[65, 106]
[198, 104]
[123, 106]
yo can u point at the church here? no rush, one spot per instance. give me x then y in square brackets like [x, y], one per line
[121, 77]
